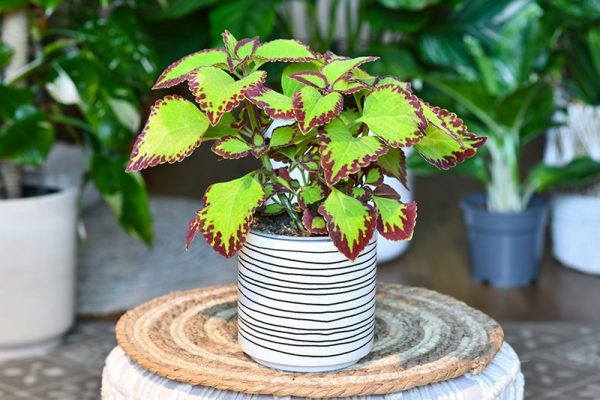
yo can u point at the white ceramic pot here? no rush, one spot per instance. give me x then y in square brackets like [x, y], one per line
[37, 271]
[575, 231]
[302, 305]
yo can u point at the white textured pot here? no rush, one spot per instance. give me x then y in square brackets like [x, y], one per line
[575, 231]
[302, 305]
[37, 271]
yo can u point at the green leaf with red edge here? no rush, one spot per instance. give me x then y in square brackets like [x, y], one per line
[447, 141]
[246, 48]
[231, 147]
[173, 131]
[393, 163]
[288, 50]
[385, 190]
[229, 41]
[283, 136]
[291, 86]
[350, 86]
[343, 154]
[178, 71]
[310, 78]
[396, 220]
[392, 80]
[227, 214]
[350, 222]
[374, 176]
[274, 104]
[311, 194]
[315, 224]
[217, 92]
[339, 68]
[395, 115]
[312, 109]
[223, 128]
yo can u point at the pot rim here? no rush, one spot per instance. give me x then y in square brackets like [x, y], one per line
[473, 201]
[60, 192]
[290, 238]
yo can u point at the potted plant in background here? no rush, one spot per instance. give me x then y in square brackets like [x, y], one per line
[306, 256]
[63, 90]
[576, 209]
[502, 89]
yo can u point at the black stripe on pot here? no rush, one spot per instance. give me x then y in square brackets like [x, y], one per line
[307, 355]
[328, 284]
[322, 331]
[351, 270]
[241, 285]
[327, 332]
[342, 340]
[267, 286]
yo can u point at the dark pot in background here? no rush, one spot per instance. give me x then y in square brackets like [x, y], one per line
[505, 249]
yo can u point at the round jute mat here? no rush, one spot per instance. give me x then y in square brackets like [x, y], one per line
[421, 337]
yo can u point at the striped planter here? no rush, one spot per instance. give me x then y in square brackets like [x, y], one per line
[302, 305]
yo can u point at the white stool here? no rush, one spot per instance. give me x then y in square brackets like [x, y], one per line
[502, 379]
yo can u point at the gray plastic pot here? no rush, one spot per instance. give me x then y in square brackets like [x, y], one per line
[505, 249]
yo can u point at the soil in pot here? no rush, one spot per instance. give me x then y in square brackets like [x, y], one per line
[505, 249]
[302, 305]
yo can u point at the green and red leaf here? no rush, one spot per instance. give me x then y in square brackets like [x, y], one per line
[283, 135]
[341, 67]
[178, 71]
[173, 131]
[312, 109]
[229, 41]
[311, 194]
[246, 48]
[396, 220]
[217, 92]
[385, 190]
[350, 223]
[315, 224]
[343, 154]
[395, 115]
[447, 141]
[288, 50]
[393, 163]
[373, 176]
[274, 104]
[310, 78]
[392, 80]
[231, 147]
[227, 214]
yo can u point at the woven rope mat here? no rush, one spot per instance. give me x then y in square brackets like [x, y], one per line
[421, 337]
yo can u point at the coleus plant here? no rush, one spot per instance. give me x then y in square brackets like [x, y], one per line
[344, 130]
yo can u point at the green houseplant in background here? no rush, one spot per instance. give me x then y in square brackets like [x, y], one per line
[576, 208]
[348, 129]
[501, 86]
[74, 82]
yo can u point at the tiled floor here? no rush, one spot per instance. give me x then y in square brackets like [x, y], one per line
[560, 361]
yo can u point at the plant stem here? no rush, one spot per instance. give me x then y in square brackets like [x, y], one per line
[504, 191]
[266, 162]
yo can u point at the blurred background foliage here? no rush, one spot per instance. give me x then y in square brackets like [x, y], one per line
[496, 63]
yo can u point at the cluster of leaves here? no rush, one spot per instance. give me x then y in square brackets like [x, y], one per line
[88, 80]
[343, 131]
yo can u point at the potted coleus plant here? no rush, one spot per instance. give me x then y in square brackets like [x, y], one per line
[307, 255]
[63, 88]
